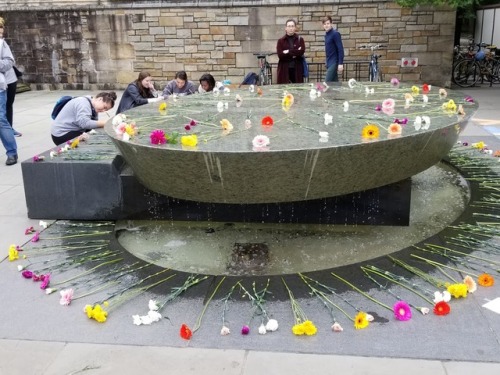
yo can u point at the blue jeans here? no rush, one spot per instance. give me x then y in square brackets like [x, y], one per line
[331, 73]
[6, 132]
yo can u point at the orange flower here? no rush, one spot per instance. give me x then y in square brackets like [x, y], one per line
[185, 332]
[497, 154]
[485, 280]
[395, 129]
[267, 121]
[259, 91]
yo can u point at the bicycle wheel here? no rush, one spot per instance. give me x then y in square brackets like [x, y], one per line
[269, 73]
[466, 73]
[262, 78]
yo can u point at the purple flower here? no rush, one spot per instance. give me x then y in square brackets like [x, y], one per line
[469, 99]
[38, 158]
[27, 274]
[157, 137]
[402, 311]
[245, 330]
[395, 82]
[45, 281]
[36, 237]
[378, 108]
[401, 122]
[187, 127]
[193, 123]
[465, 143]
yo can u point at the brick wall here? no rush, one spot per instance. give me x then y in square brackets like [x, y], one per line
[60, 45]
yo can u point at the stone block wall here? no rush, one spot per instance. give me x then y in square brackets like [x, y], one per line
[101, 44]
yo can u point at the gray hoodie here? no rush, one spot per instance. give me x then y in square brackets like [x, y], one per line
[6, 64]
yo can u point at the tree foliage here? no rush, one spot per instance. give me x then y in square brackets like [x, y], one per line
[464, 4]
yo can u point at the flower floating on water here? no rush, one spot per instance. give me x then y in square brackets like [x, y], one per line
[403, 121]
[267, 121]
[287, 101]
[370, 131]
[369, 90]
[443, 93]
[351, 83]
[415, 90]
[251, 88]
[425, 99]
[441, 308]
[450, 106]
[227, 91]
[395, 82]
[345, 105]
[426, 88]
[185, 332]
[395, 129]
[189, 140]
[259, 91]
[388, 103]
[238, 98]
[220, 106]
[118, 119]
[402, 311]
[328, 119]
[157, 137]
[486, 280]
[469, 99]
[260, 141]
[188, 127]
[313, 94]
[162, 107]
[226, 125]
[378, 108]
[323, 136]
[422, 122]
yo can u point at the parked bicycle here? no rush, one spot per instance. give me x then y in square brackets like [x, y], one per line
[265, 70]
[480, 66]
[373, 69]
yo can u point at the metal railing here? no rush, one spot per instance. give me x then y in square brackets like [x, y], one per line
[357, 69]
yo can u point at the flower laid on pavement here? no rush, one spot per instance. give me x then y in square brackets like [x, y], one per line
[302, 326]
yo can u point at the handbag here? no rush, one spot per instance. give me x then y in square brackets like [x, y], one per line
[19, 74]
[306, 67]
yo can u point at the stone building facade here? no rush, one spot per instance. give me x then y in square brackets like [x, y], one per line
[103, 44]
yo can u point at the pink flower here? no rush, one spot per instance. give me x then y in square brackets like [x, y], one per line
[402, 311]
[388, 103]
[120, 129]
[193, 123]
[378, 108]
[402, 122]
[469, 99]
[157, 137]
[45, 281]
[388, 111]
[260, 141]
[66, 297]
[36, 237]
[27, 274]
[394, 82]
[245, 330]
[29, 230]
[38, 158]
[36, 277]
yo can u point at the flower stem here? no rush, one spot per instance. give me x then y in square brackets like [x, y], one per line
[200, 317]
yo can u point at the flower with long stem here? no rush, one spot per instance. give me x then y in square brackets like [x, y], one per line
[190, 281]
[200, 317]
[302, 326]
[257, 299]
[225, 329]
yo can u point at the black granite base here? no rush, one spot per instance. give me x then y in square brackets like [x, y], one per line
[70, 188]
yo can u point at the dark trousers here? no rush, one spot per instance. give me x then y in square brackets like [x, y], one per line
[66, 137]
[11, 95]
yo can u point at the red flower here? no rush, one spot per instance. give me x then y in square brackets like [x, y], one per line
[425, 88]
[441, 308]
[185, 332]
[267, 121]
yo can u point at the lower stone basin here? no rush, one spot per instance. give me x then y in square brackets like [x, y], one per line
[300, 162]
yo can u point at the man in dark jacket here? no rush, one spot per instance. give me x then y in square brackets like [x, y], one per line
[290, 48]
[334, 50]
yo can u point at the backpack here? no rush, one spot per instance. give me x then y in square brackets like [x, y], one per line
[61, 102]
[250, 79]
[305, 73]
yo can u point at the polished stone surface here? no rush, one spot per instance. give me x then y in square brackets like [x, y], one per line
[297, 164]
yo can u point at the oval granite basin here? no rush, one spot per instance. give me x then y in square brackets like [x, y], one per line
[300, 162]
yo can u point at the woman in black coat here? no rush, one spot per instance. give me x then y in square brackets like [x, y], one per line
[290, 48]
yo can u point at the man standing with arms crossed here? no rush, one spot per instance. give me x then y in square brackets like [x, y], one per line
[334, 51]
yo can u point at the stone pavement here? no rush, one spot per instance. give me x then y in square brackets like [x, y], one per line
[53, 349]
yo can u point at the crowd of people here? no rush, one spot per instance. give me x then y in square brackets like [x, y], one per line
[80, 114]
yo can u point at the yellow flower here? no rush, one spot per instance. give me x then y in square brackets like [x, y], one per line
[287, 101]
[309, 328]
[457, 290]
[450, 106]
[298, 330]
[226, 125]
[162, 107]
[88, 311]
[479, 145]
[13, 253]
[361, 320]
[415, 90]
[96, 312]
[75, 143]
[130, 129]
[370, 131]
[189, 140]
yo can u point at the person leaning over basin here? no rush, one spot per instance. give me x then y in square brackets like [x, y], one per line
[207, 83]
[79, 116]
[6, 131]
[138, 93]
[179, 86]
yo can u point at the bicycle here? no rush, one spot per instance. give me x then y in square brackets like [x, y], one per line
[479, 66]
[265, 72]
[373, 70]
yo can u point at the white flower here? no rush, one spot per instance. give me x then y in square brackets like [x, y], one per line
[425, 98]
[43, 224]
[260, 141]
[407, 103]
[226, 105]
[346, 106]
[93, 131]
[220, 106]
[225, 331]
[126, 137]
[439, 297]
[137, 320]
[272, 325]
[154, 315]
[424, 310]
[262, 329]
[248, 123]
[427, 122]
[218, 85]
[369, 90]
[336, 327]
[66, 147]
[153, 305]
[146, 319]
[328, 119]
[417, 123]
[227, 91]
[351, 83]
[50, 290]
[446, 296]
[369, 317]
[323, 134]
[20, 267]
[118, 119]
[238, 98]
[251, 88]
[52, 154]
[312, 94]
